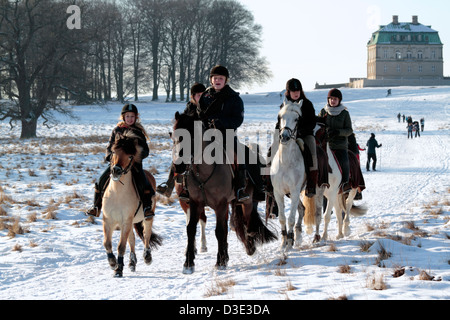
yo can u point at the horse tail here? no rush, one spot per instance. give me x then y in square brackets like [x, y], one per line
[310, 210]
[358, 211]
[254, 228]
[155, 239]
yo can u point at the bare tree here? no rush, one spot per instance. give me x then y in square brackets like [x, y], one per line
[37, 42]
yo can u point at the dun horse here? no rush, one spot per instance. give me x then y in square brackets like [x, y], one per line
[288, 176]
[211, 184]
[122, 208]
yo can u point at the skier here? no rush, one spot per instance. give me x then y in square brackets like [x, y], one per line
[372, 144]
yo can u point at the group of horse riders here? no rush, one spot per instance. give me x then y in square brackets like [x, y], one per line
[220, 107]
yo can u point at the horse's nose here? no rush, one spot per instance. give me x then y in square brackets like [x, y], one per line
[284, 136]
[116, 172]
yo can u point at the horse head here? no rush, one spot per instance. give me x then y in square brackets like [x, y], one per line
[289, 117]
[126, 151]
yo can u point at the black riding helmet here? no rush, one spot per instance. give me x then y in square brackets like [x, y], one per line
[129, 108]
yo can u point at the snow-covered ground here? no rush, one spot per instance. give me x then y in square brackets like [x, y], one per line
[63, 258]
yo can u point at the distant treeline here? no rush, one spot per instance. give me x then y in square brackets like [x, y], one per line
[120, 48]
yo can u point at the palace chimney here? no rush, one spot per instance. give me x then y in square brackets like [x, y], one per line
[415, 20]
[395, 19]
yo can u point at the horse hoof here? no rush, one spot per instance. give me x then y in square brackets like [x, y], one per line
[132, 268]
[188, 270]
[118, 274]
[316, 238]
[148, 257]
[221, 267]
[112, 261]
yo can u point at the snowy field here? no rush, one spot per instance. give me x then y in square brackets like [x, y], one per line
[49, 251]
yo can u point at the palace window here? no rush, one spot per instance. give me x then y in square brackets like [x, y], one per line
[420, 55]
[398, 55]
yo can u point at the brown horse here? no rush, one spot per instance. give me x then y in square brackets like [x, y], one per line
[122, 208]
[211, 184]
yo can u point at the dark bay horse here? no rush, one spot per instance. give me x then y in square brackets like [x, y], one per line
[211, 184]
[122, 208]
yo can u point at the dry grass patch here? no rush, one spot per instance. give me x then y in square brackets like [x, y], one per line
[376, 282]
[219, 287]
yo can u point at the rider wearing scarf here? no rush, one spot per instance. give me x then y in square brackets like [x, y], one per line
[337, 120]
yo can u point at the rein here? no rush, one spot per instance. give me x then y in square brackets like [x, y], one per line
[201, 184]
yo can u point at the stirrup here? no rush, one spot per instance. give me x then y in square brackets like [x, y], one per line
[148, 213]
[93, 212]
[241, 195]
[163, 189]
[184, 196]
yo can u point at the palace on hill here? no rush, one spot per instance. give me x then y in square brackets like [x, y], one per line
[402, 54]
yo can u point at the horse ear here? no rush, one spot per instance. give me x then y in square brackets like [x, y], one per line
[177, 115]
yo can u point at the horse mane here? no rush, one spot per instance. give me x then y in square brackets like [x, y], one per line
[184, 121]
[127, 142]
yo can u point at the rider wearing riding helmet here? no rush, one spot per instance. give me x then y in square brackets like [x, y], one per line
[337, 120]
[222, 108]
[129, 122]
[192, 106]
[306, 124]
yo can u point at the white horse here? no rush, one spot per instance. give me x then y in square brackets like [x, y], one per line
[288, 176]
[342, 203]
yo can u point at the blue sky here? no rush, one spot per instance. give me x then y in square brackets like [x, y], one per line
[325, 41]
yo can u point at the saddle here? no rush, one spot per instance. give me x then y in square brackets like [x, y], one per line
[356, 178]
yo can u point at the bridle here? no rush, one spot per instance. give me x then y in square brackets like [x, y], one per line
[117, 171]
[292, 133]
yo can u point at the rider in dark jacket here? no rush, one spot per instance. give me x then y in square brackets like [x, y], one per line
[145, 190]
[222, 108]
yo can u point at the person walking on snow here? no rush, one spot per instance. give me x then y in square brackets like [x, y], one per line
[372, 144]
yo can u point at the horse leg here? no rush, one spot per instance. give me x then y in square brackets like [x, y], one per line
[327, 218]
[133, 260]
[121, 248]
[222, 235]
[107, 243]
[298, 226]
[279, 198]
[340, 212]
[204, 248]
[148, 225]
[319, 208]
[191, 229]
[348, 207]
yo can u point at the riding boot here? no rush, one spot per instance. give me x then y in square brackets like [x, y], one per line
[259, 192]
[145, 190]
[166, 188]
[184, 194]
[345, 187]
[100, 187]
[95, 210]
[311, 181]
[147, 204]
[241, 195]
